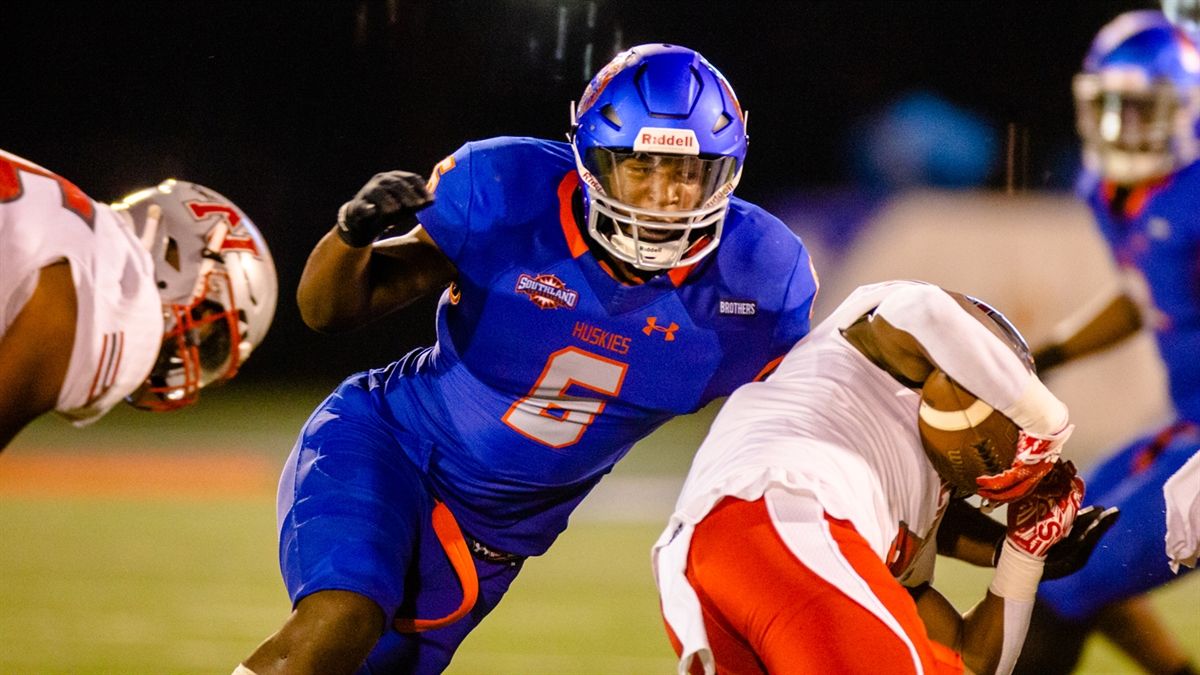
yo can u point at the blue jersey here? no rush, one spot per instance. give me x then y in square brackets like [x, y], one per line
[1156, 231]
[546, 369]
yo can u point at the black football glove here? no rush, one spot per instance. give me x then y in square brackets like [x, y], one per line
[386, 200]
[1069, 555]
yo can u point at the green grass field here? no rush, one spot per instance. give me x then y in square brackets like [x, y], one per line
[184, 583]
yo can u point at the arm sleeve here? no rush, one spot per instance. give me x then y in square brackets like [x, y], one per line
[1015, 582]
[972, 356]
[1016, 624]
[448, 219]
[796, 313]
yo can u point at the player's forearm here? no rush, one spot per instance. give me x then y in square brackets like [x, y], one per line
[29, 387]
[1115, 321]
[994, 630]
[967, 351]
[943, 623]
[984, 637]
[334, 291]
[967, 534]
[344, 287]
[978, 636]
[35, 351]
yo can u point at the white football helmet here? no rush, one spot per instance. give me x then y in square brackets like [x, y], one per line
[218, 286]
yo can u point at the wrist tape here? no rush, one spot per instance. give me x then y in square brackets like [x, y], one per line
[1017, 574]
[1037, 410]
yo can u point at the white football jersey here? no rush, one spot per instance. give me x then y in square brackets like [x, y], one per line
[831, 425]
[119, 323]
[862, 458]
[1182, 495]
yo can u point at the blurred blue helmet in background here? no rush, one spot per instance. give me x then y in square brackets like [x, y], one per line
[922, 139]
[1137, 99]
[659, 141]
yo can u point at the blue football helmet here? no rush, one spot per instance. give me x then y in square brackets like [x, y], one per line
[1137, 100]
[659, 142]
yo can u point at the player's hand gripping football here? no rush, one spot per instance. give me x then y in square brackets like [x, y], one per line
[386, 200]
[1036, 456]
[1044, 517]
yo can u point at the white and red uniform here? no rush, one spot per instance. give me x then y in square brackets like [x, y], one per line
[827, 451]
[1181, 493]
[119, 322]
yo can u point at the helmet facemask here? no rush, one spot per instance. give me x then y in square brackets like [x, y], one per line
[656, 210]
[201, 347]
[1135, 130]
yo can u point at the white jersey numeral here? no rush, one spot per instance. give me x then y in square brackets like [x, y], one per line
[551, 417]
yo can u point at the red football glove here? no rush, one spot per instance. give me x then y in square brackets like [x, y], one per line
[1036, 455]
[1044, 517]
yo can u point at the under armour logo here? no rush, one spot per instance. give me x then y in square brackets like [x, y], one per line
[652, 325]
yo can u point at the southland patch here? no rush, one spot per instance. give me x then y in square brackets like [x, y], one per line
[547, 291]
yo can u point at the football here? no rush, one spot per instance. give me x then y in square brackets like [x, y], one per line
[963, 437]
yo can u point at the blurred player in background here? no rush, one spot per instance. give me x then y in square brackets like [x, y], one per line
[1185, 14]
[146, 300]
[597, 288]
[1138, 103]
[813, 504]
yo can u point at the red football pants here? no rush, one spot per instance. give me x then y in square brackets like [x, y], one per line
[766, 612]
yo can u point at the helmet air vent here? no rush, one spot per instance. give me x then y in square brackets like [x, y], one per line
[610, 114]
[723, 121]
[172, 253]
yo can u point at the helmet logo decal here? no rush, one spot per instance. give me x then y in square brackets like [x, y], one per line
[233, 241]
[242, 244]
[667, 331]
[597, 85]
[201, 210]
[547, 291]
[1189, 56]
[674, 141]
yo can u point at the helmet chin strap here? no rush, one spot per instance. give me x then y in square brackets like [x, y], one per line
[666, 253]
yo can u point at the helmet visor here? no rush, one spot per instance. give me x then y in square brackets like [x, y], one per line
[1130, 119]
[663, 185]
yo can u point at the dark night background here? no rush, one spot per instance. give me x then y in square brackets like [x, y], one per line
[287, 108]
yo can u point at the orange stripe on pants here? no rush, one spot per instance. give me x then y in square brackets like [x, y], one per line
[765, 611]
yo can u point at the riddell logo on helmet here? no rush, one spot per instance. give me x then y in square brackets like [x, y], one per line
[675, 141]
